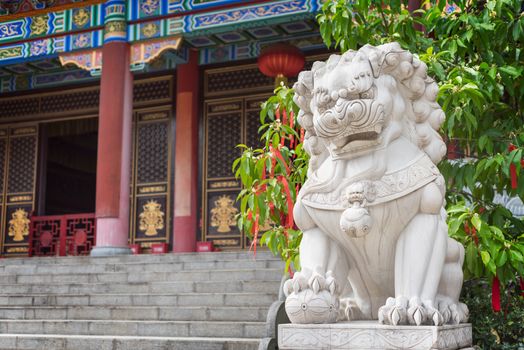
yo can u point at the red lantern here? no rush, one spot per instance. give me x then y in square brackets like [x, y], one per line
[281, 61]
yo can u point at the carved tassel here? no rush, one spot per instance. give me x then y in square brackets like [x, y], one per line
[495, 294]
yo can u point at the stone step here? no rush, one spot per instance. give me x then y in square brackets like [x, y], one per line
[137, 267]
[142, 258]
[149, 313]
[136, 328]
[232, 275]
[182, 299]
[263, 286]
[171, 301]
[76, 342]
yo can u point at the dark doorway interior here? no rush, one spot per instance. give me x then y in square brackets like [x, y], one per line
[68, 184]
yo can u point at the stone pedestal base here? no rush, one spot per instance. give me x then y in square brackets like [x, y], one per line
[369, 335]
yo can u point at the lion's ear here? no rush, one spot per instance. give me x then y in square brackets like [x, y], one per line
[376, 56]
[376, 60]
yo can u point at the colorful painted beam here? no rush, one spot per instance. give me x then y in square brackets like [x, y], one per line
[49, 47]
[14, 9]
[51, 24]
[225, 20]
[28, 79]
[48, 35]
[141, 54]
[140, 9]
[251, 50]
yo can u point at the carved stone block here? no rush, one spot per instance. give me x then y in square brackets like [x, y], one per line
[368, 335]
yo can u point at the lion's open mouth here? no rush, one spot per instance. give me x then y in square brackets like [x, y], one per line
[361, 137]
[351, 124]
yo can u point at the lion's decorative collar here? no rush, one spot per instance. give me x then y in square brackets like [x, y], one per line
[392, 185]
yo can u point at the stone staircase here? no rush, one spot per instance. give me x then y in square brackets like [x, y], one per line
[172, 301]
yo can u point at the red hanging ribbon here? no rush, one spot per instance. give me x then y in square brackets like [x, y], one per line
[264, 186]
[264, 171]
[254, 231]
[273, 162]
[292, 126]
[495, 295]
[271, 208]
[301, 135]
[289, 201]
[277, 154]
[521, 286]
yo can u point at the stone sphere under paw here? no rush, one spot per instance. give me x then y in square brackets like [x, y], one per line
[310, 307]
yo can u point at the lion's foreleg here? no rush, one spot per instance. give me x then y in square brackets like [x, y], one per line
[313, 293]
[419, 260]
[451, 284]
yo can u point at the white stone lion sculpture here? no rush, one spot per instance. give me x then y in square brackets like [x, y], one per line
[375, 243]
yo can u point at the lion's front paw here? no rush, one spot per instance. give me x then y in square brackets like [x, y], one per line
[452, 312]
[400, 310]
[353, 311]
[312, 298]
[394, 312]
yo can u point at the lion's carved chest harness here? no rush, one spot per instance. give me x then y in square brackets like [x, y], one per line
[392, 185]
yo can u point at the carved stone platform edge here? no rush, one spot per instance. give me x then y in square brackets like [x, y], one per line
[369, 335]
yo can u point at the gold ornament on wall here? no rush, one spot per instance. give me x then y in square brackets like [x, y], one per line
[149, 30]
[19, 225]
[151, 218]
[115, 27]
[39, 25]
[80, 17]
[223, 214]
[149, 6]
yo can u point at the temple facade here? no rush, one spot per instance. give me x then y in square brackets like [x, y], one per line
[119, 119]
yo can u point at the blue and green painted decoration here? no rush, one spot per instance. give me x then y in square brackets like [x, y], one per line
[237, 31]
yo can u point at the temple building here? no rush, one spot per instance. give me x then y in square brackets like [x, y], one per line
[119, 119]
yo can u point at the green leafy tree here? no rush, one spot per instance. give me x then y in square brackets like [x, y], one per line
[474, 50]
[271, 177]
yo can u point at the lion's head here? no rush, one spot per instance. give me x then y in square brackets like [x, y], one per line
[360, 101]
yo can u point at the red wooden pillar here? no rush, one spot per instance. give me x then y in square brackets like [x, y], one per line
[114, 151]
[186, 156]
